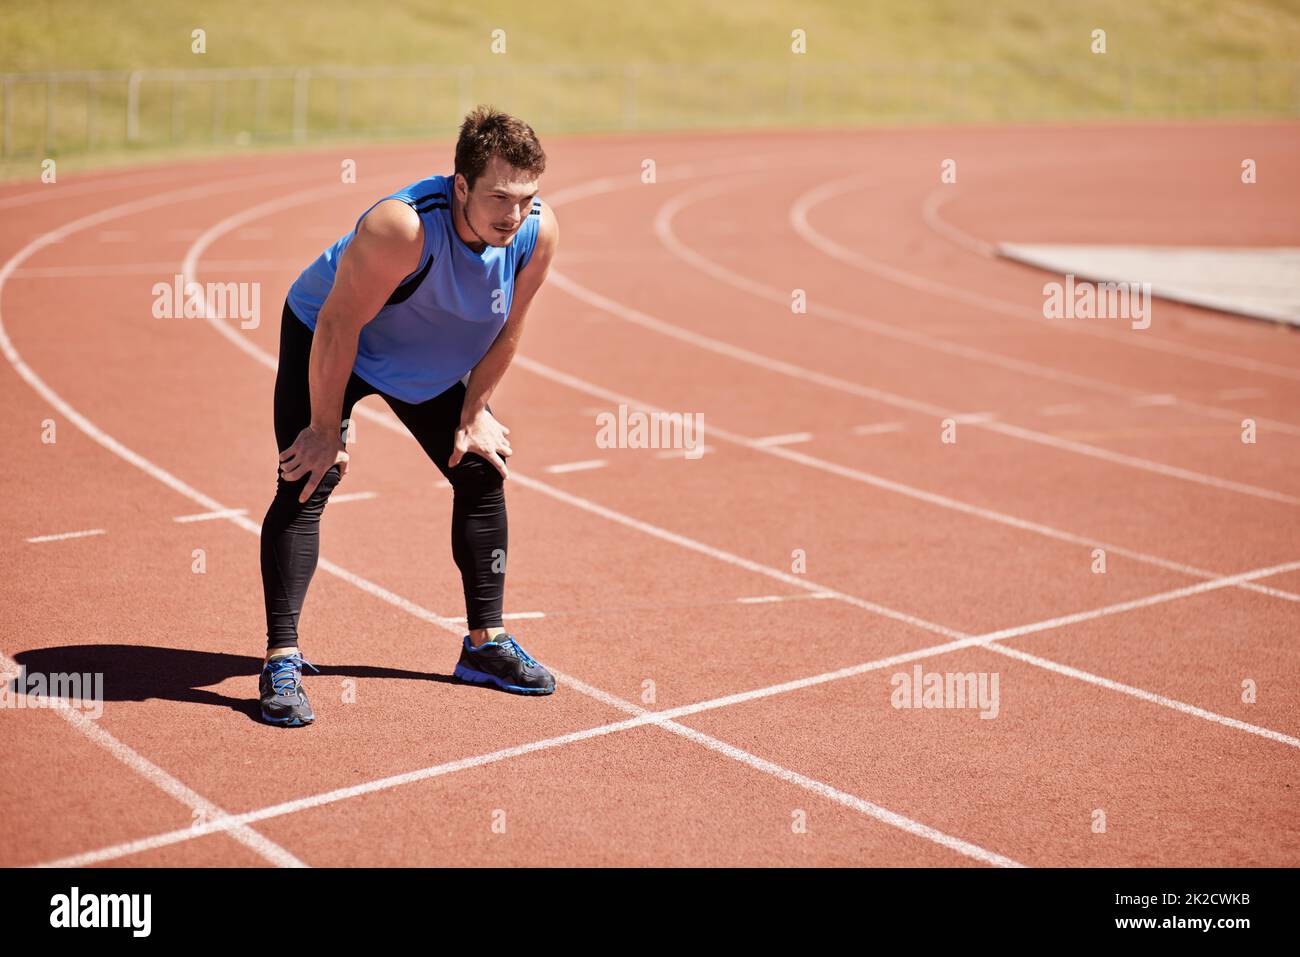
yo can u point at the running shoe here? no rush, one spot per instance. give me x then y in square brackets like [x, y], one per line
[503, 663]
[284, 700]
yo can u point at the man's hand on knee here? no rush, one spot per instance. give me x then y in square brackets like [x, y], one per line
[312, 454]
[485, 436]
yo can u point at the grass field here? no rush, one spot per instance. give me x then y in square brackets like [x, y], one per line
[580, 65]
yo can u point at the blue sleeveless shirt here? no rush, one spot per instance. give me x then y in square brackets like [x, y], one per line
[442, 318]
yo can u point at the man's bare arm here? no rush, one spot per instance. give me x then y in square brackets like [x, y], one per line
[492, 367]
[385, 250]
[479, 431]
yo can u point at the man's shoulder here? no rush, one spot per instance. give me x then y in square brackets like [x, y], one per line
[428, 193]
[548, 230]
[392, 220]
[390, 239]
[418, 198]
[399, 217]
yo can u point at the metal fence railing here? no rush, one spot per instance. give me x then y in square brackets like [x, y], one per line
[49, 113]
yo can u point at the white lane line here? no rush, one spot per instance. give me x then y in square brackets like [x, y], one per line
[257, 842]
[155, 775]
[576, 466]
[645, 320]
[1275, 592]
[681, 453]
[667, 717]
[1161, 597]
[880, 429]
[764, 599]
[1144, 695]
[642, 718]
[330, 797]
[209, 516]
[353, 497]
[930, 215]
[961, 639]
[973, 418]
[827, 191]
[386, 421]
[889, 485]
[1150, 400]
[663, 229]
[1146, 465]
[54, 191]
[790, 438]
[228, 822]
[798, 372]
[228, 512]
[930, 212]
[848, 800]
[76, 272]
[160, 270]
[243, 820]
[730, 558]
[1064, 408]
[512, 616]
[987, 641]
[1246, 393]
[190, 271]
[63, 536]
[171, 481]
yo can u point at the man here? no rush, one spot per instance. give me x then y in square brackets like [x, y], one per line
[422, 303]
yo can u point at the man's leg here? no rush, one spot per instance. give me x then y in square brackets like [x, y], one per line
[478, 514]
[291, 529]
[478, 544]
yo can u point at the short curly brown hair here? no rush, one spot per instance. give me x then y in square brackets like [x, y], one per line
[488, 132]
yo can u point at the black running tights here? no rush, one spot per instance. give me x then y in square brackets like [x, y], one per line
[291, 530]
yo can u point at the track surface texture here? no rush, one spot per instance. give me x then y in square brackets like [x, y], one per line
[914, 472]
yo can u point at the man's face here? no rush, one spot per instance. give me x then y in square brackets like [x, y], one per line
[499, 203]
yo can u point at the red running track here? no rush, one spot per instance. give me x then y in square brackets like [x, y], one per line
[720, 702]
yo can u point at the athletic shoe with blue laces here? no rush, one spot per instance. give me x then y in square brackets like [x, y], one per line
[284, 701]
[501, 662]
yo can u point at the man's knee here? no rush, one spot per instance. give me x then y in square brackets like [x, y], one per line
[293, 490]
[474, 475]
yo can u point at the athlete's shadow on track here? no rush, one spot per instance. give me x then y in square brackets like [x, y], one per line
[140, 672]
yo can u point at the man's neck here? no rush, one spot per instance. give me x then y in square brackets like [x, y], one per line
[462, 226]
